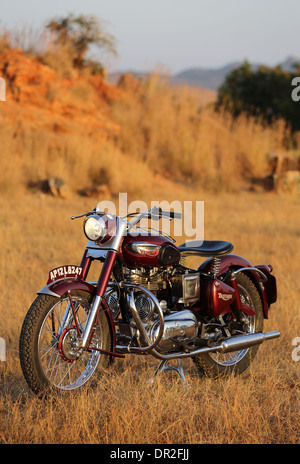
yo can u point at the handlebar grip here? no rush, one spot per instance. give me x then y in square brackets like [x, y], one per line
[175, 215]
[159, 212]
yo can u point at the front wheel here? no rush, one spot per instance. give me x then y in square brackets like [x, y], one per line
[218, 364]
[48, 340]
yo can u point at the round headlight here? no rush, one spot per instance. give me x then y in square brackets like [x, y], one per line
[94, 228]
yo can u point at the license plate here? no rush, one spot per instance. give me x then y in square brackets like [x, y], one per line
[64, 272]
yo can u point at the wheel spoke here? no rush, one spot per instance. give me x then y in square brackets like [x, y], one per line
[55, 350]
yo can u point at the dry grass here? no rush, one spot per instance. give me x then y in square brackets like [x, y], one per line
[261, 406]
[177, 132]
[30, 153]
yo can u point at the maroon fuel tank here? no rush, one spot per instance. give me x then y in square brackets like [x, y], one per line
[149, 251]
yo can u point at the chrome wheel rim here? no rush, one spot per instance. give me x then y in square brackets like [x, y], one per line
[60, 369]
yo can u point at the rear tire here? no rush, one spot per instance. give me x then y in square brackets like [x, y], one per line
[214, 364]
[46, 356]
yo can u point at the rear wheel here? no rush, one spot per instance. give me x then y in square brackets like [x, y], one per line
[49, 353]
[217, 364]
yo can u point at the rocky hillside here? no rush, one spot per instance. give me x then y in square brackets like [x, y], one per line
[38, 95]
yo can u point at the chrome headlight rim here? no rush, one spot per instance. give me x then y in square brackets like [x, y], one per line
[94, 228]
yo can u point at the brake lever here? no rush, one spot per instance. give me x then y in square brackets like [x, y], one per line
[84, 214]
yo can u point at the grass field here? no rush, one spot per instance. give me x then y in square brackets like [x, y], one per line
[261, 406]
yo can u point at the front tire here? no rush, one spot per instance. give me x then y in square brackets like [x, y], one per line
[218, 364]
[47, 353]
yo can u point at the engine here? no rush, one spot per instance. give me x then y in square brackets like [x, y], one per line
[156, 283]
[180, 324]
[180, 328]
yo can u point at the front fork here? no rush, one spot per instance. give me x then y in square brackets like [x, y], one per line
[99, 293]
[70, 310]
[84, 338]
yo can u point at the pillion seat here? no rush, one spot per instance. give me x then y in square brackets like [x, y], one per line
[206, 248]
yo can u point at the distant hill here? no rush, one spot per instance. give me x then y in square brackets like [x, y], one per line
[202, 77]
[213, 78]
[209, 78]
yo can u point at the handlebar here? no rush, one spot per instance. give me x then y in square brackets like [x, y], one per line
[154, 213]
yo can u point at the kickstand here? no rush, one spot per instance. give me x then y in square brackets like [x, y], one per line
[164, 367]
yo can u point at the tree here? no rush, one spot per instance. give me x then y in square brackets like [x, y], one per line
[79, 33]
[264, 93]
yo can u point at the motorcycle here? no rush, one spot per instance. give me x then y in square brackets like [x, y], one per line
[145, 302]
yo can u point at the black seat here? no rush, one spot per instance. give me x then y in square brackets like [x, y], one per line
[207, 248]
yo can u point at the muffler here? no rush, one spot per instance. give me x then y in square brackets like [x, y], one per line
[244, 341]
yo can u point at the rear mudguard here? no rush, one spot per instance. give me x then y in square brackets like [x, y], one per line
[62, 287]
[267, 288]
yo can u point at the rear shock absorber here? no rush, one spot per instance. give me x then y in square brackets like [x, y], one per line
[215, 265]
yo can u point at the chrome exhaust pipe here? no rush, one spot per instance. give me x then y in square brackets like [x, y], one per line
[148, 348]
[240, 342]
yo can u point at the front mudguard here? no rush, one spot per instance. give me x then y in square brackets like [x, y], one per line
[266, 287]
[62, 287]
